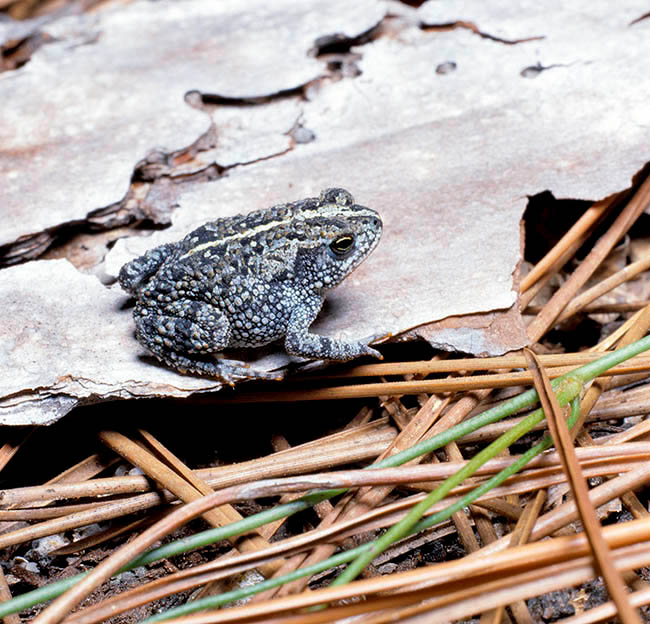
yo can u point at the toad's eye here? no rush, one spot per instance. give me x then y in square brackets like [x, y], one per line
[342, 244]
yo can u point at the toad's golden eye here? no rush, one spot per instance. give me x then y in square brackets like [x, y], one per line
[342, 244]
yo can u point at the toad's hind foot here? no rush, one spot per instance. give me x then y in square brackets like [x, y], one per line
[228, 371]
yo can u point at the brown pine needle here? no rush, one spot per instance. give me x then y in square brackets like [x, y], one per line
[600, 308]
[399, 388]
[520, 536]
[606, 285]
[548, 524]
[362, 478]
[590, 457]
[564, 445]
[354, 505]
[182, 482]
[5, 594]
[431, 367]
[639, 325]
[438, 580]
[568, 244]
[558, 302]
[361, 443]
[16, 438]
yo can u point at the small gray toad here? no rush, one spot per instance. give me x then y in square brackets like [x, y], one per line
[248, 280]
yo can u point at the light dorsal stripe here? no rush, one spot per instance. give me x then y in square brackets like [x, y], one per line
[329, 211]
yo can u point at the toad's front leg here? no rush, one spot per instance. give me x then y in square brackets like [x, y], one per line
[299, 341]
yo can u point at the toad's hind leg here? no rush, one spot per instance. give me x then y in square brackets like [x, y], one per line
[187, 337]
